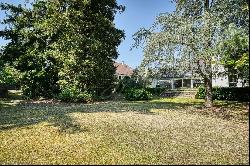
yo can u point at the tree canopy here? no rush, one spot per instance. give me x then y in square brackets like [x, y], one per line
[62, 44]
[189, 38]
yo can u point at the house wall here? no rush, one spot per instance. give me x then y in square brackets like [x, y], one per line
[221, 81]
[154, 83]
[218, 80]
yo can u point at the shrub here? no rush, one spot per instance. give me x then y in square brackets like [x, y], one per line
[156, 91]
[201, 93]
[73, 95]
[226, 93]
[85, 97]
[137, 94]
[9, 79]
[127, 83]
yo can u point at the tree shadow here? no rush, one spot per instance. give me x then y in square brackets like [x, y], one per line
[56, 114]
[23, 115]
[227, 110]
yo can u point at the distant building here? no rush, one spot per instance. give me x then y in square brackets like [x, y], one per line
[187, 80]
[122, 70]
[171, 81]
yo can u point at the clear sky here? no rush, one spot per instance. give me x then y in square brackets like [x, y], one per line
[138, 13]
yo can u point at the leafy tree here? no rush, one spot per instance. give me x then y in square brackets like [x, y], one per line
[127, 83]
[137, 76]
[9, 77]
[236, 52]
[188, 39]
[62, 44]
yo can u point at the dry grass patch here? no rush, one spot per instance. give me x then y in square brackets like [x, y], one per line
[163, 131]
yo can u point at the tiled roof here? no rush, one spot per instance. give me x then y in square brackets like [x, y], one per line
[123, 69]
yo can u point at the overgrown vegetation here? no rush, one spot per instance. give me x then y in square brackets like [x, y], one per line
[135, 94]
[156, 91]
[134, 89]
[9, 79]
[59, 45]
[226, 93]
[74, 95]
[127, 83]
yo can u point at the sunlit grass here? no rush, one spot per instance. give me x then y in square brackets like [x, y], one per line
[162, 131]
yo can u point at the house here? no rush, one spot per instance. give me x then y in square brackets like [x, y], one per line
[188, 80]
[172, 81]
[122, 70]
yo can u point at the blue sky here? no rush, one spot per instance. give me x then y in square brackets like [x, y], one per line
[138, 13]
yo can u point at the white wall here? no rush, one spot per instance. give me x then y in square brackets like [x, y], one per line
[221, 81]
[154, 83]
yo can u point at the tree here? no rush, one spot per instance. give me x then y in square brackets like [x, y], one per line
[188, 38]
[9, 77]
[137, 76]
[62, 44]
[236, 52]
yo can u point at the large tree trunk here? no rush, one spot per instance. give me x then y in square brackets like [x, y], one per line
[208, 79]
[209, 95]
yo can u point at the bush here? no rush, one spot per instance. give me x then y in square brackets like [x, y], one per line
[201, 93]
[127, 83]
[73, 95]
[226, 93]
[156, 91]
[137, 94]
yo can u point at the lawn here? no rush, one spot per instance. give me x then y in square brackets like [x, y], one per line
[161, 131]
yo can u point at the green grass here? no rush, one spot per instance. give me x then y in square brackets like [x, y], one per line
[162, 131]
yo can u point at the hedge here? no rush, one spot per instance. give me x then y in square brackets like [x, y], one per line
[74, 95]
[226, 93]
[135, 94]
[155, 91]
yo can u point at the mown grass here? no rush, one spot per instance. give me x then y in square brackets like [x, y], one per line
[161, 131]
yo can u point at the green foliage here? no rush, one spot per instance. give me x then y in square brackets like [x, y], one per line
[201, 93]
[74, 95]
[155, 91]
[9, 79]
[134, 94]
[127, 83]
[188, 39]
[8, 75]
[236, 51]
[57, 43]
[226, 93]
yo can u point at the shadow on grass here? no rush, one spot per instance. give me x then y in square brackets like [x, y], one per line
[58, 114]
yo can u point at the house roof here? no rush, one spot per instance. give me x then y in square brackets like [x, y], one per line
[123, 69]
